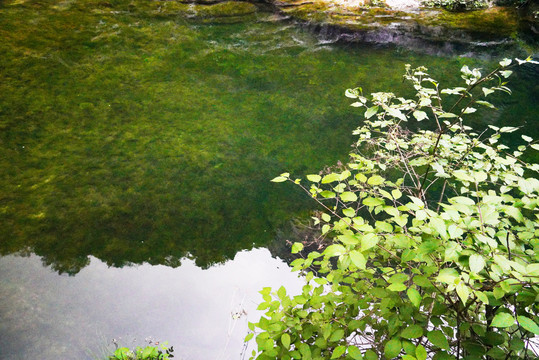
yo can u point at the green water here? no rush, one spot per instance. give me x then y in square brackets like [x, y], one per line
[138, 137]
[147, 132]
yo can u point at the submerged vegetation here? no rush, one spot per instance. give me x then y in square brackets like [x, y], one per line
[433, 236]
[134, 133]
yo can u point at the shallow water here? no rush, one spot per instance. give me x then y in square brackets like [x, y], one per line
[130, 137]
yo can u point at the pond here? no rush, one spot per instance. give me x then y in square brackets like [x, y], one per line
[136, 149]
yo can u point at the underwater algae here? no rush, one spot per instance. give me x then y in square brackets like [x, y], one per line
[139, 134]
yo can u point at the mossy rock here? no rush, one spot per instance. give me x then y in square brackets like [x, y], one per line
[230, 10]
[436, 25]
[226, 9]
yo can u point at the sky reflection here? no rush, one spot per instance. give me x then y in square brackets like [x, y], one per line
[44, 315]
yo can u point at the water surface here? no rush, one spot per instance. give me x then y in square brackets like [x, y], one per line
[130, 137]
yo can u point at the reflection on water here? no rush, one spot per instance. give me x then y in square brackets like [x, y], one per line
[50, 316]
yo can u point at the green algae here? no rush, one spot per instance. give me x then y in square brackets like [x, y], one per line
[137, 137]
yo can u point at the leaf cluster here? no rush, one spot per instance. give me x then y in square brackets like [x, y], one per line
[148, 352]
[434, 249]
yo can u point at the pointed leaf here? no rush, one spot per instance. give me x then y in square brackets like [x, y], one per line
[412, 332]
[414, 296]
[477, 263]
[392, 348]
[285, 340]
[371, 111]
[358, 259]
[502, 320]
[528, 324]
[437, 338]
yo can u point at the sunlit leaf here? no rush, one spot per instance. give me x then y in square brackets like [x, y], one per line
[502, 320]
[314, 178]
[371, 111]
[297, 247]
[528, 324]
[358, 259]
[477, 263]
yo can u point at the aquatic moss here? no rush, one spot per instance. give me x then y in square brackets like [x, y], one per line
[135, 137]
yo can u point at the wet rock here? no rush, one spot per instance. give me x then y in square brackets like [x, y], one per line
[406, 23]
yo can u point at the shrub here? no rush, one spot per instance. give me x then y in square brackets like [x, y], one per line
[434, 238]
[148, 352]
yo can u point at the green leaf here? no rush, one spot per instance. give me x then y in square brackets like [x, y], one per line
[353, 93]
[372, 201]
[477, 263]
[397, 287]
[437, 338]
[439, 225]
[348, 239]
[505, 62]
[370, 355]
[279, 179]
[462, 200]
[368, 241]
[297, 247]
[358, 259]
[375, 180]
[528, 324]
[248, 337]
[396, 193]
[281, 293]
[396, 113]
[337, 335]
[327, 194]
[487, 92]
[149, 351]
[354, 353]
[398, 278]
[463, 291]
[485, 103]
[384, 226]
[412, 332]
[420, 115]
[447, 115]
[314, 178]
[329, 178]
[392, 348]
[348, 196]
[508, 129]
[414, 296]
[285, 340]
[339, 350]
[447, 275]
[371, 111]
[502, 320]
[334, 250]
[420, 353]
[349, 212]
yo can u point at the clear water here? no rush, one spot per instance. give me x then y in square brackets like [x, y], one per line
[128, 137]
